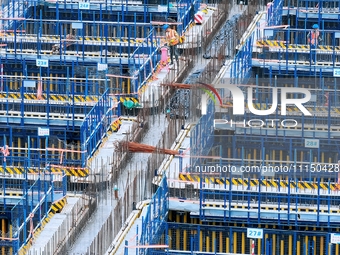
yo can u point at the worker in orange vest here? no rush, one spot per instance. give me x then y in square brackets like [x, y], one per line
[172, 39]
[314, 39]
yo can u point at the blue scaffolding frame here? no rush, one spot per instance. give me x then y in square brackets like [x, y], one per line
[25, 213]
[154, 222]
[57, 51]
[203, 133]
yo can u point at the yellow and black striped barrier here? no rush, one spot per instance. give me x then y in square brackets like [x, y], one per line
[55, 97]
[13, 170]
[69, 171]
[116, 125]
[187, 177]
[134, 100]
[283, 45]
[58, 205]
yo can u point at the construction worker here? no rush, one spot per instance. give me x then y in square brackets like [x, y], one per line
[55, 49]
[172, 39]
[314, 39]
[115, 189]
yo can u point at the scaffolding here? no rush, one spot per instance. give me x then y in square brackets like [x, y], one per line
[153, 239]
[66, 69]
[26, 205]
[277, 42]
[249, 173]
[69, 74]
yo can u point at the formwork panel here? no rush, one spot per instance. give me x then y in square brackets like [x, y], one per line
[232, 237]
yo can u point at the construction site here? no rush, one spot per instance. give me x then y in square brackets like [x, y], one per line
[106, 147]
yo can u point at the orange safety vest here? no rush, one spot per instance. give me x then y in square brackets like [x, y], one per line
[313, 37]
[172, 37]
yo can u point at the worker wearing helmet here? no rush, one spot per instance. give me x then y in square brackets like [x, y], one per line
[172, 39]
[314, 39]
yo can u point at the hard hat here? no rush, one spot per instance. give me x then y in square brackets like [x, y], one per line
[165, 27]
[315, 26]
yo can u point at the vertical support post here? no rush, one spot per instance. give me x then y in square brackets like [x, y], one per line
[137, 241]
[52, 186]
[87, 81]
[57, 18]
[242, 155]
[46, 151]
[310, 164]
[2, 77]
[15, 37]
[318, 205]
[295, 159]
[4, 190]
[39, 195]
[329, 117]
[180, 161]
[46, 188]
[288, 205]
[28, 151]
[192, 245]
[126, 249]
[22, 102]
[67, 82]
[295, 242]
[201, 211]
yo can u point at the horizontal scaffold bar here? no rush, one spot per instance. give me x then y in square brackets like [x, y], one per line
[42, 118]
[281, 131]
[114, 7]
[54, 39]
[118, 23]
[272, 44]
[100, 1]
[148, 246]
[14, 18]
[49, 78]
[301, 65]
[54, 169]
[121, 76]
[91, 57]
[48, 149]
